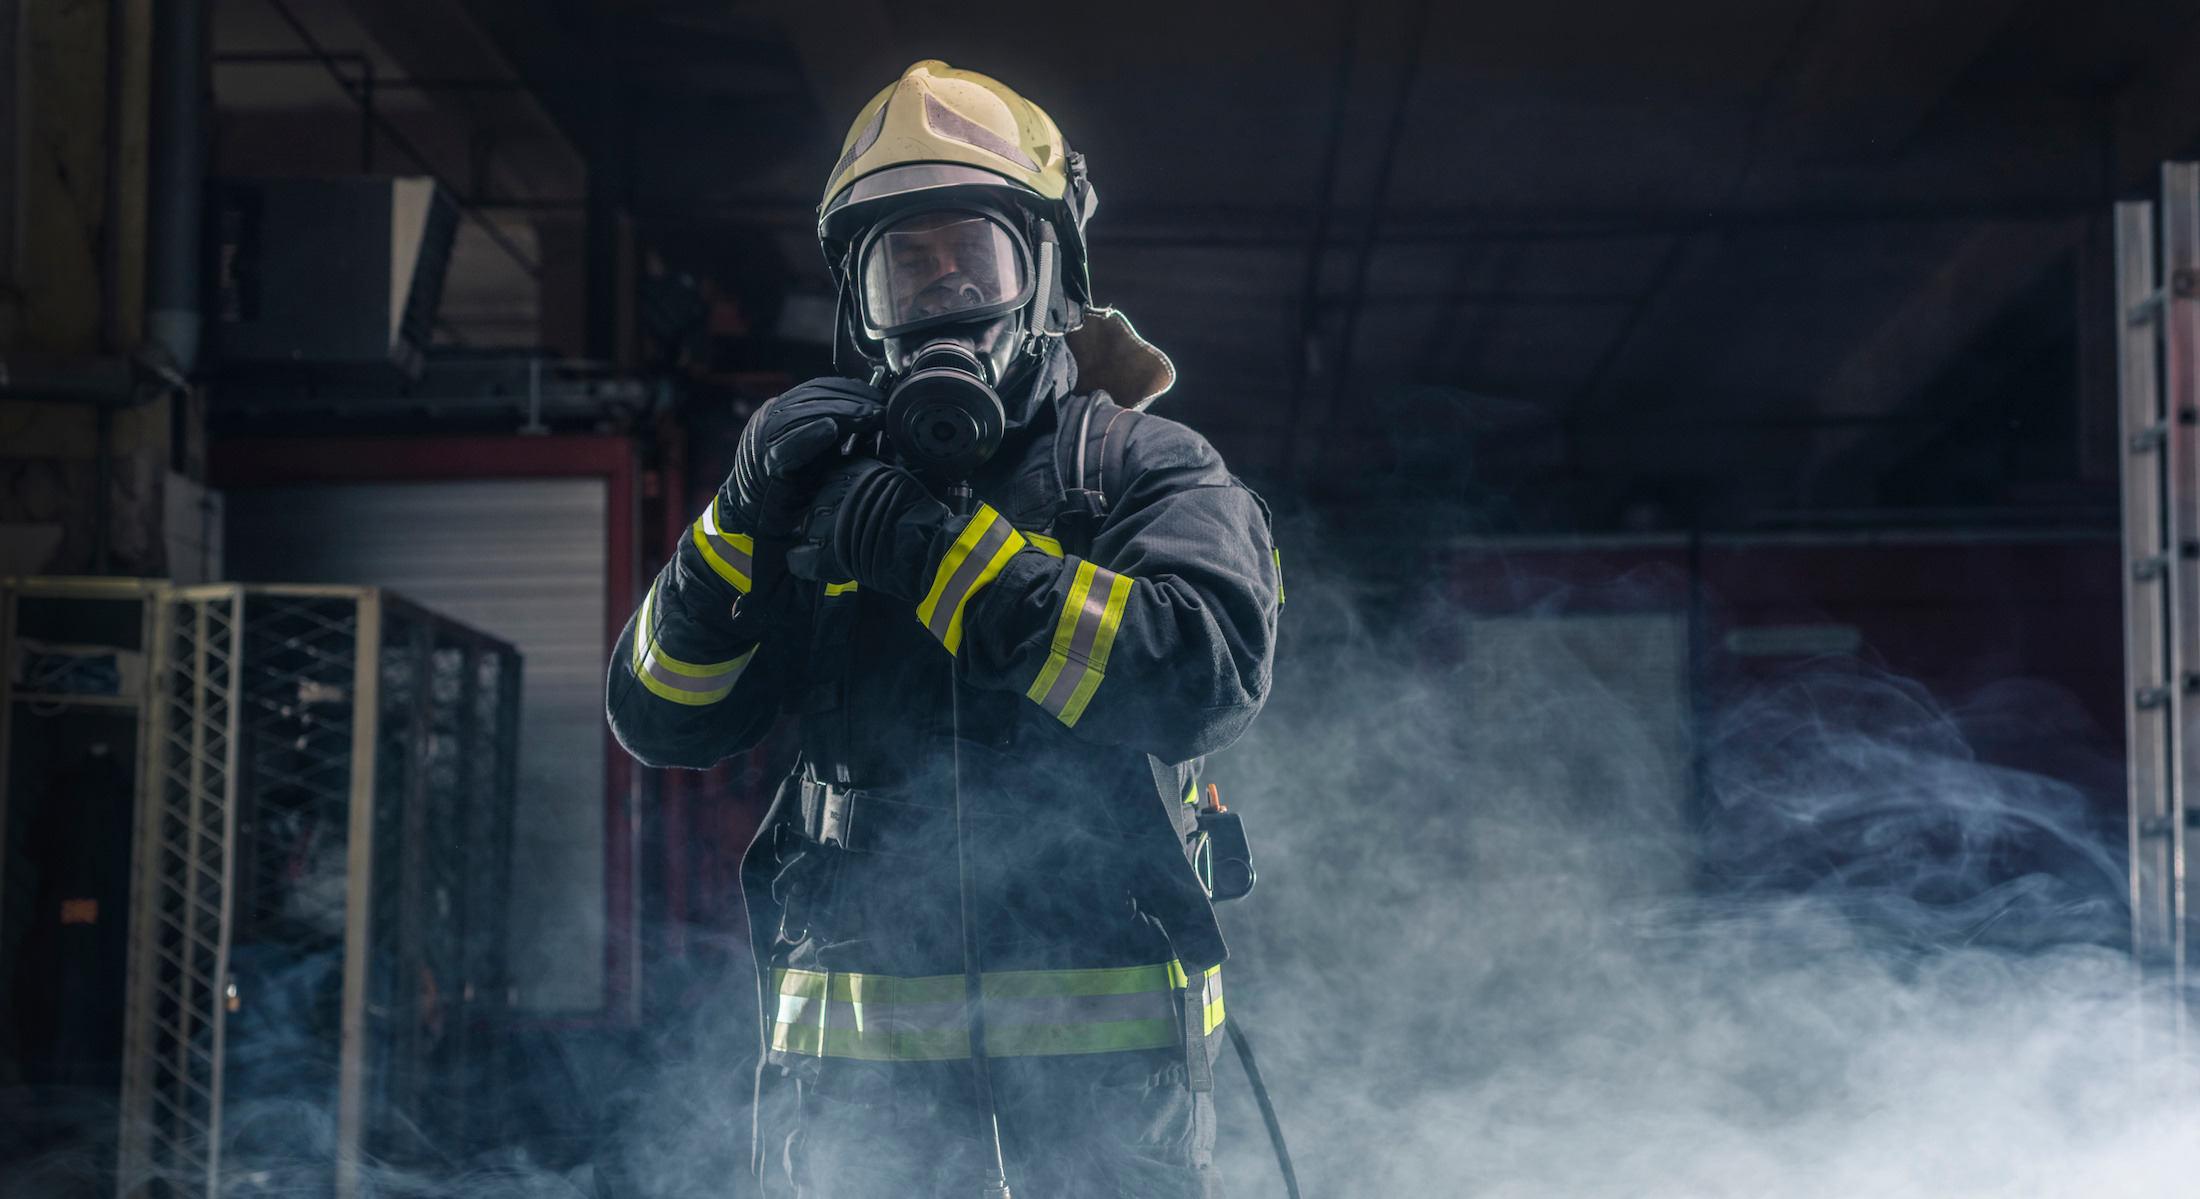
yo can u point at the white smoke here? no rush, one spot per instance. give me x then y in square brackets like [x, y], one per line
[1902, 974]
[1486, 959]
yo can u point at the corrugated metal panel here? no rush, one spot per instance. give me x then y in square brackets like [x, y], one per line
[522, 559]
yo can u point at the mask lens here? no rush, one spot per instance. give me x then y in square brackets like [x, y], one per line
[938, 264]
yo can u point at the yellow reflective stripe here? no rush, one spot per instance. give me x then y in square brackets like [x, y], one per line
[975, 559]
[1028, 1012]
[1210, 987]
[1278, 556]
[1047, 545]
[1211, 1010]
[668, 677]
[1039, 984]
[1119, 596]
[1084, 635]
[1000, 984]
[731, 555]
[840, 588]
[1065, 627]
[1177, 977]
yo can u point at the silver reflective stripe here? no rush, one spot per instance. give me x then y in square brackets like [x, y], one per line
[1084, 635]
[975, 558]
[669, 678]
[965, 579]
[1080, 643]
[864, 141]
[950, 124]
[698, 685]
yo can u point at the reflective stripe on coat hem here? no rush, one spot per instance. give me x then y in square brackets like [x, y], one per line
[1028, 1013]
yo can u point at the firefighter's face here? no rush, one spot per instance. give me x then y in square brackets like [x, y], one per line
[946, 264]
[937, 264]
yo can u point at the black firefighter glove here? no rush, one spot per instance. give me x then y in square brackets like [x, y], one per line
[873, 523]
[768, 490]
[774, 476]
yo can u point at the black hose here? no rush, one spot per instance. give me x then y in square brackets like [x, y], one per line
[981, 1069]
[1267, 1109]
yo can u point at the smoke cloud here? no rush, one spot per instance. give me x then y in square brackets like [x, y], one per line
[1892, 969]
[1491, 954]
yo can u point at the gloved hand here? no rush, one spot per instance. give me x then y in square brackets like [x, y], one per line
[766, 493]
[873, 523]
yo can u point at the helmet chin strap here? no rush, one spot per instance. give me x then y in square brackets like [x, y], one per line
[1042, 299]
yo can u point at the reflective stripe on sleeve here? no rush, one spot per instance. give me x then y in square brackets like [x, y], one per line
[1083, 636]
[975, 559]
[669, 678]
[879, 1017]
[729, 554]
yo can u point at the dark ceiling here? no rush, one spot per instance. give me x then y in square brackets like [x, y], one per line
[1586, 264]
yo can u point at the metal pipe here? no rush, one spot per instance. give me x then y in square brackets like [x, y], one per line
[366, 115]
[1317, 240]
[1371, 233]
[110, 225]
[352, 91]
[103, 479]
[176, 207]
[995, 1185]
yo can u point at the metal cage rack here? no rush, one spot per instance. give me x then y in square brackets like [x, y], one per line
[317, 975]
[73, 741]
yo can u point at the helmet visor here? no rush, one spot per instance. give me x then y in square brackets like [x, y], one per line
[935, 265]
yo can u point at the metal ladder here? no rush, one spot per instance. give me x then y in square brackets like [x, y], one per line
[2158, 378]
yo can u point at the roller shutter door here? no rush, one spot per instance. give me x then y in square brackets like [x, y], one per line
[525, 560]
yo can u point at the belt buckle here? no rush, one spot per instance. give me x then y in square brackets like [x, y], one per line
[836, 817]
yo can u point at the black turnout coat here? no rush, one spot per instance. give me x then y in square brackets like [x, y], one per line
[1101, 654]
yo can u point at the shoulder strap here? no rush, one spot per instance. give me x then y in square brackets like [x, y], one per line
[1091, 450]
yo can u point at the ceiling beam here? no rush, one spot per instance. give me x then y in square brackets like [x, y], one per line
[849, 51]
[1870, 74]
[2157, 115]
[526, 153]
[1992, 268]
[1858, 77]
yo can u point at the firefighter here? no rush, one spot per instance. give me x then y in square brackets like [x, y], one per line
[1106, 615]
